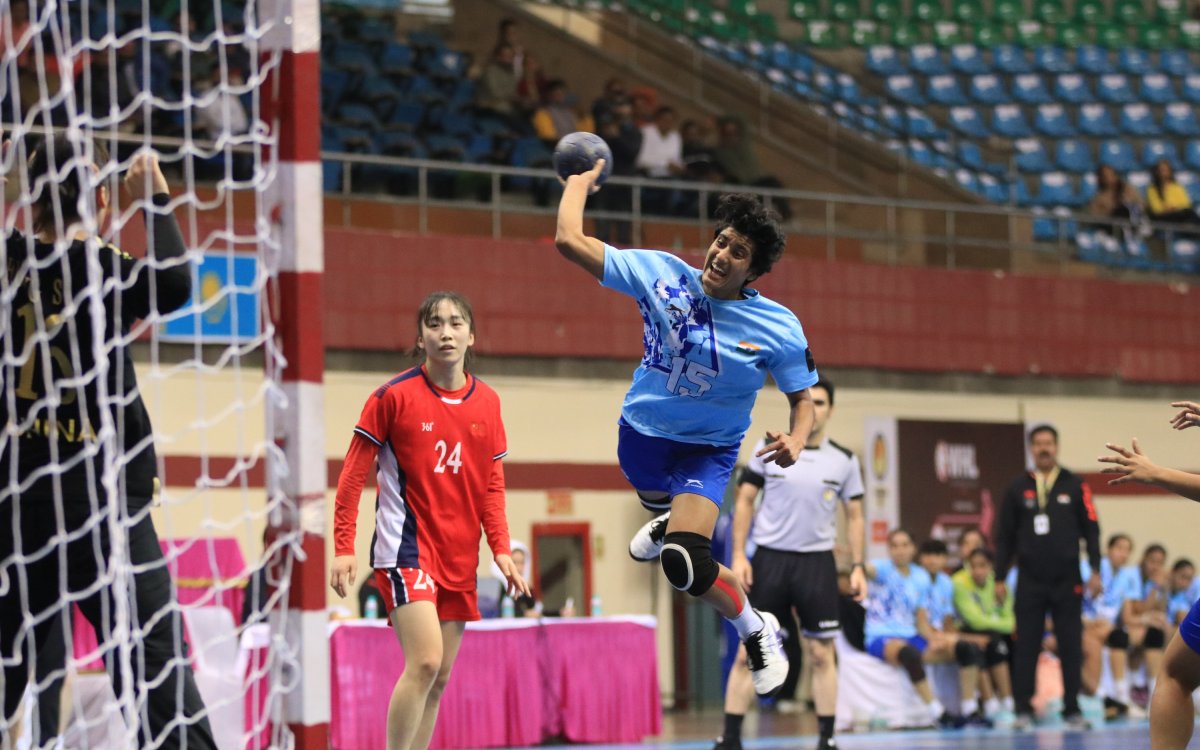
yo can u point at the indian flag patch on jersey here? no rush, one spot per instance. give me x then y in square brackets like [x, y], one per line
[745, 347]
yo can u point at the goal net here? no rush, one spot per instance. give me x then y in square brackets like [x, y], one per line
[121, 542]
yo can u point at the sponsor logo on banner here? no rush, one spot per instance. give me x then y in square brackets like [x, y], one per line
[879, 458]
[954, 461]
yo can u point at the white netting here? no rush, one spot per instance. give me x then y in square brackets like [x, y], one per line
[185, 79]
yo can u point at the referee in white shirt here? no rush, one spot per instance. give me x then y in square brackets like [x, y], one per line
[793, 567]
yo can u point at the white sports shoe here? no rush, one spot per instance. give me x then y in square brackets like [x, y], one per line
[765, 657]
[647, 543]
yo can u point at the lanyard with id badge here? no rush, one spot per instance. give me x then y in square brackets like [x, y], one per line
[1041, 522]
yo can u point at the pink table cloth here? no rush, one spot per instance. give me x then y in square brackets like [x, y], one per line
[207, 572]
[515, 683]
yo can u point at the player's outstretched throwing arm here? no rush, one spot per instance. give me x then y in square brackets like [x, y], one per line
[575, 246]
[1134, 466]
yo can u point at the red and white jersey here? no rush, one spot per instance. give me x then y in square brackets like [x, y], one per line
[438, 462]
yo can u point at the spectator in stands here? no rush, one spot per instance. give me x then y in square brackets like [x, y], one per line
[625, 139]
[969, 540]
[1115, 199]
[896, 615]
[1112, 608]
[661, 156]
[509, 32]
[532, 85]
[645, 105]
[698, 157]
[948, 645]
[1044, 515]
[1167, 200]
[1182, 594]
[735, 155]
[201, 62]
[987, 623]
[559, 116]
[614, 95]
[1147, 624]
[496, 90]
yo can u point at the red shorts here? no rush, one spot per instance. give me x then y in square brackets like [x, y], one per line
[399, 586]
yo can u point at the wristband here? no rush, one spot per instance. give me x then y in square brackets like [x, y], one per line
[858, 565]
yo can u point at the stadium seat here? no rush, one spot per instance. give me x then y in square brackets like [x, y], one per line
[966, 11]
[988, 89]
[458, 123]
[1031, 89]
[1019, 193]
[1072, 88]
[1157, 88]
[1191, 88]
[884, 60]
[1175, 62]
[1154, 150]
[823, 34]
[1139, 180]
[1170, 12]
[844, 10]
[905, 34]
[1055, 189]
[947, 33]
[906, 89]
[893, 119]
[1138, 120]
[945, 90]
[1180, 119]
[1008, 11]
[1029, 33]
[1087, 187]
[921, 125]
[885, 11]
[1049, 228]
[992, 189]
[1128, 12]
[967, 120]
[967, 180]
[1134, 62]
[1115, 89]
[921, 154]
[407, 117]
[1032, 156]
[1070, 34]
[804, 10]
[1011, 59]
[865, 32]
[396, 60]
[1052, 60]
[1113, 36]
[927, 60]
[1052, 120]
[1189, 35]
[1073, 155]
[1049, 12]
[334, 86]
[1118, 154]
[1096, 120]
[1008, 120]
[970, 155]
[1093, 60]
[1190, 183]
[927, 11]
[353, 59]
[1090, 12]
[358, 116]
[967, 59]
[1185, 254]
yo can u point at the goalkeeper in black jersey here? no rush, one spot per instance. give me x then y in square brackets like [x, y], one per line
[77, 452]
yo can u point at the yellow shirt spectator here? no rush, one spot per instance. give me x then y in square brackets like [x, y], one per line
[1173, 197]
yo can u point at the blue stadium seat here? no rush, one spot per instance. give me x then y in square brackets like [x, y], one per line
[1134, 61]
[1118, 154]
[1185, 254]
[334, 85]
[847, 88]
[1009, 121]
[1019, 193]
[1191, 88]
[331, 176]
[1052, 60]
[1073, 155]
[920, 125]
[967, 59]
[993, 189]
[1190, 183]
[1115, 89]
[353, 59]
[407, 117]
[1031, 89]
[1093, 60]
[1137, 119]
[1087, 187]
[906, 89]
[1011, 59]
[927, 60]
[988, 89]
[1072, 88]
[1053, 120]
[884, 60]
[1055, 189]
[1154, 150]
[893, 119]
[920, 153]
[358, 116]
[1180, 119]
[457, 123]
[1096, 120]
[479, 147]
[970, 155]
[424, 90]
[1157, 88]
[1139, 180]
[1046, 228]
[1175, 62]
[967, 180]
[1032, 156]
[446, 147]
[967, 120]
[945, 90]
[447, 65]
[396, 60]
[462, 95]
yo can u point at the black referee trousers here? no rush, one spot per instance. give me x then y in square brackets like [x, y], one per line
[1062, 599]
[164, 687]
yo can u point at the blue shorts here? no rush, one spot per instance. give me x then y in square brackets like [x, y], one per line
[1189, 629]
[654, 464]
[875, 647]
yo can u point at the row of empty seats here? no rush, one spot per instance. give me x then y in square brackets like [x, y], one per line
[971, 59]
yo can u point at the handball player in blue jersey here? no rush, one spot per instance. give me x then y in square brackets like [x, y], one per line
[709, 342]
[1172, 713]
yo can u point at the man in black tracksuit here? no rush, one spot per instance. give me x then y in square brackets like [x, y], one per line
[1044, 515]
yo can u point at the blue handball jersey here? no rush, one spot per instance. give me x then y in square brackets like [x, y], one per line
[940, 603]
[705, 359]
[1119, 585]
[893, 600]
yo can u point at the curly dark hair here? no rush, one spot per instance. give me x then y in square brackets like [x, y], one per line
[747, 215]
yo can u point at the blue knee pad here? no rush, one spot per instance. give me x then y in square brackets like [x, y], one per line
[687, 561]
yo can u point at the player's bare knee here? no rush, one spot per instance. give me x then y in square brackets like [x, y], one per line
[423, 668]
[821, 650]
[687, 562]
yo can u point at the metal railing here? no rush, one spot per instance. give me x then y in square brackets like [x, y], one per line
[850, 227]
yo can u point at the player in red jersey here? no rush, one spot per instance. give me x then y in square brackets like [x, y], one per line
[436, 438]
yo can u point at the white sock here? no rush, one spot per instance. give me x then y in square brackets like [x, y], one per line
[969, 707]
[1121, 690]
[992, 706]
[936, 709]
[747, 623]
[1008, 704]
